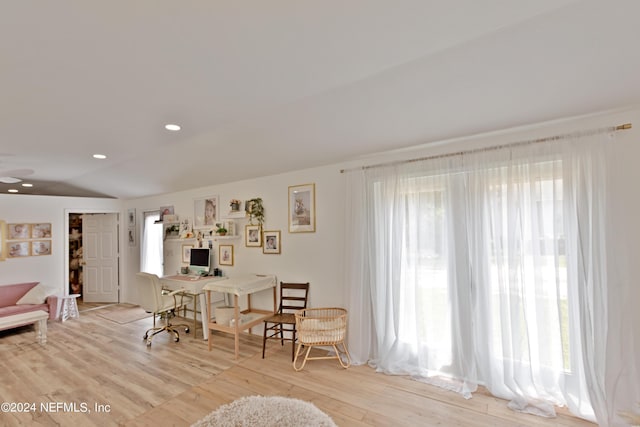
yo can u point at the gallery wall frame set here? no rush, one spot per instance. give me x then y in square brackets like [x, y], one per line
[19, 240]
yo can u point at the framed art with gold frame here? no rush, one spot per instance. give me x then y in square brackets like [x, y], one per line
[40, 247]
[225, 254]
[18, 249]
[3, 234]
[272, 243]
[19, 231]
[302, 208]
[252, 235]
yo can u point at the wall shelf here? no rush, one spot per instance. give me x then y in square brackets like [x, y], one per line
[236, 215]
[225, 237]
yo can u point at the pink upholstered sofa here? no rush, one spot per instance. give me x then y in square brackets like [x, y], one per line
[10, 294]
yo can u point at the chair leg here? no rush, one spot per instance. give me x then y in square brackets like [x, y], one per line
[281, 334]
[293, 344]
[264, 339]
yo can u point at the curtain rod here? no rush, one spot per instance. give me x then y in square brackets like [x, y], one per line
[495, 147]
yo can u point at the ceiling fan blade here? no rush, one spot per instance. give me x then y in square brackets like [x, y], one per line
[9, 180]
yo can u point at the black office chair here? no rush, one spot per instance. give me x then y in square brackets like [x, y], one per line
[293, 297]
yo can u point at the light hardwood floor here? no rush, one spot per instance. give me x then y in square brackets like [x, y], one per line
[107, 367]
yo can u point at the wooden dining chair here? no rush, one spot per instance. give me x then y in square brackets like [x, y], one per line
[282, 325]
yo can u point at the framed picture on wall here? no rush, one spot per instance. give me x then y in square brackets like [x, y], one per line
[131, 233]
[18, 231]
[41, 231]
[205, 212]
[131, 217]
[186, 253]
[225, 254]
[3, 234]
[18, 249]
[40, 247]
[252, 236]
[165, 210]
[302, 208]
[272, 244]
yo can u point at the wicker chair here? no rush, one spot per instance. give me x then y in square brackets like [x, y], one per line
[321, 327]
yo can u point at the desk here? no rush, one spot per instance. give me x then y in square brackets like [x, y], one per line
[241, 286]
[193, 287]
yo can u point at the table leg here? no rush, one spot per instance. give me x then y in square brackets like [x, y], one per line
[204, 312]
[237, 317]
[195, 321]
[41, 331]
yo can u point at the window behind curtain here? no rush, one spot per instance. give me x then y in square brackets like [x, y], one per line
[470, 279]
[151, 257]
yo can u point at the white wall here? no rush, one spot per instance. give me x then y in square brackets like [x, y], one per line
[313, 257]
[47, 269]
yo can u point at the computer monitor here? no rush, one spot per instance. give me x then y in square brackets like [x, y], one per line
[200, 261]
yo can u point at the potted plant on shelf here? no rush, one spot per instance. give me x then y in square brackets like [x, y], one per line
[221, 231]
[255, 210]
[172, 231]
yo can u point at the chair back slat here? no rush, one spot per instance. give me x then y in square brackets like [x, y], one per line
[293, 297]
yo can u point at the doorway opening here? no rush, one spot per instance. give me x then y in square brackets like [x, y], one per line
[92, 257]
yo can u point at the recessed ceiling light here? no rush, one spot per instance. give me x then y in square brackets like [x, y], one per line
[12, 190]
[99, 156]
[172, 127]
[26, 184]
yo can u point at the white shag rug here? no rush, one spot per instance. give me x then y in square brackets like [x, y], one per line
[266, 411]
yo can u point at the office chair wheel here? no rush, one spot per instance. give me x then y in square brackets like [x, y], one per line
[186, 330]
[177, 339]
[149, 342]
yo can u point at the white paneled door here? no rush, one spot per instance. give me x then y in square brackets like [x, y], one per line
[100, 256]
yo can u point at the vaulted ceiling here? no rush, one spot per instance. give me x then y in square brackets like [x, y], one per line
[264, 87]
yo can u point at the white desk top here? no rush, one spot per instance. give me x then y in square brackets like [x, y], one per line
[189, 284]
[243, 285]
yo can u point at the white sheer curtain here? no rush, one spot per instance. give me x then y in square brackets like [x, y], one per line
[151, 257]
[487, 268]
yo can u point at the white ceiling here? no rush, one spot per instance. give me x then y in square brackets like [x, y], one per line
[263, 87]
